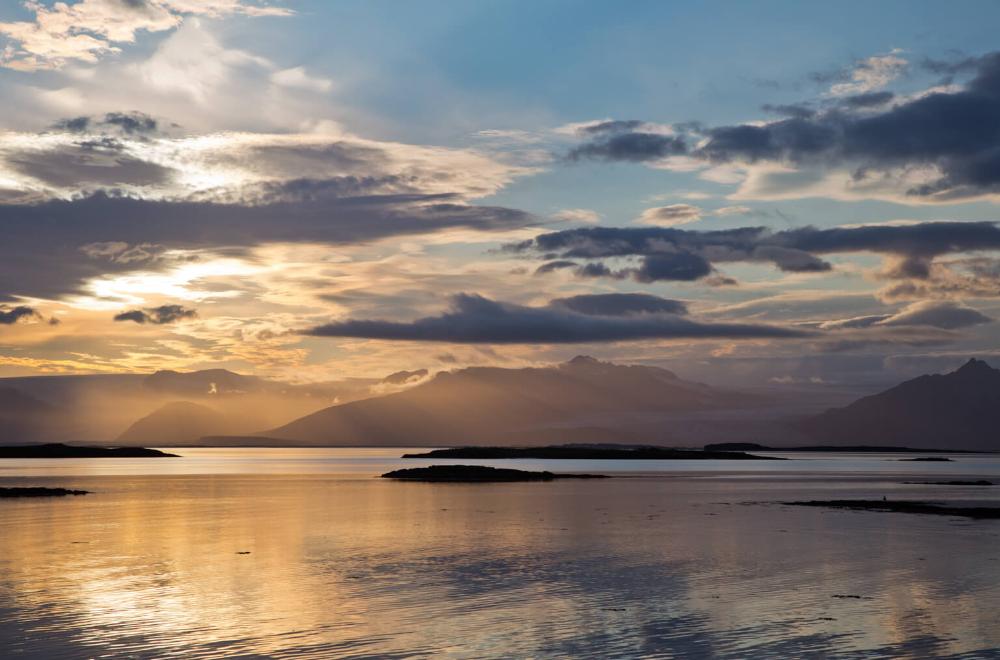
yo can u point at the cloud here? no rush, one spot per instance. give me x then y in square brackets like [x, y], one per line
[473, 319]
[944, 315]
[938, 314]
[101, 234]
[123, 151]
[684, 255]
[625, 140]
[119, 189]
[10, 316]
[938, 146]
[668, 216]
[87, 30]
[585, 216]
[868, 99]
[161, 315]
[620, 304]
[871, 74]
[953, 135]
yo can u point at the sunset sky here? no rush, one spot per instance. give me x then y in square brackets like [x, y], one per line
[793, 193]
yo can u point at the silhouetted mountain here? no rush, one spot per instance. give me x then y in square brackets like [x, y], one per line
[959, 410]
[489, 405]
[181, 422]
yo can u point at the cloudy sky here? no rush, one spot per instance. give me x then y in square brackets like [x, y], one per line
[772, 192]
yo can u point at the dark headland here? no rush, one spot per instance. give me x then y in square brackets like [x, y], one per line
[58, 450]
[479, 473]
[38, 491]
[902, 506]
[577, 452]
[752, 446]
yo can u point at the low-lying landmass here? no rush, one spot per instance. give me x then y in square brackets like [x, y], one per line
[577, 452]
[59, 450]
[479, 473]
[903, 506]
[752, 446]
[978, 482]
[38, 491]
[929, 459]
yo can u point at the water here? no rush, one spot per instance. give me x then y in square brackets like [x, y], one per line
[675, 559]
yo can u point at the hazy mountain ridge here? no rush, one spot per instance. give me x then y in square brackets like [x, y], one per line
[481, 405]
[958, 410]
[143, 408]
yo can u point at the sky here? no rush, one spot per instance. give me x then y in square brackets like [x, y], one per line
[796, 194]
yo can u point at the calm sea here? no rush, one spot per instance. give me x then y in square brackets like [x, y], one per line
[304, 553]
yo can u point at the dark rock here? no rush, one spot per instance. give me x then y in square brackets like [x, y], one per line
[478, 473]
[904, 507]
[58, 450]
[38, 491]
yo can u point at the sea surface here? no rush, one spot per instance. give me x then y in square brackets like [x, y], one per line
[305, 553]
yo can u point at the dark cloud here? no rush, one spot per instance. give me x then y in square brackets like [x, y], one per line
[684, 255]
[89, 164]
[15, 314]
[612, 126]
[868, 100]
[32, 263]
[677, 266]
[798, 110]
[473, 319]
[131, 123]
[958, 132]
[161, 315]
[620, 304]
[628, 146]
[553, 266]
[128, 123]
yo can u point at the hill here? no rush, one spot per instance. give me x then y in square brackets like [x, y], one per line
[958, 410]
[490, 405]
[181, 422]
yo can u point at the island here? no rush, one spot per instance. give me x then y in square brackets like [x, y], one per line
[588, 452]
[58, 450]
[978, 482]
[930, 459]
[38, 491]
[875, 449]
[902, 506]
[478, 474]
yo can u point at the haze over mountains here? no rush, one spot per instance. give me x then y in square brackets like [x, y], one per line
[580, 401]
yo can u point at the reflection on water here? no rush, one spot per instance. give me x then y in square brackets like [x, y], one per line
[343, 565]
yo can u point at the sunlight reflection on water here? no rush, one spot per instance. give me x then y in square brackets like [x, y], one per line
[344, 565]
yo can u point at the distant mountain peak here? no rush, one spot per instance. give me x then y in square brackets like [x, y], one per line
[974, 366]
[580, 360]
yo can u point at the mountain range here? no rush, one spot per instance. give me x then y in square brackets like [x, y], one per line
[580, 401]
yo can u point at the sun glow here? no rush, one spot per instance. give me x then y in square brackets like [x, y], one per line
[183, 282]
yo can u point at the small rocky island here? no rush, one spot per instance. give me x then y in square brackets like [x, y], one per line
[38, 491]
[59, 450]
[902, 506]
[478, 474]
[595, 452]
